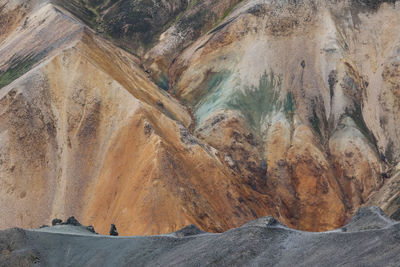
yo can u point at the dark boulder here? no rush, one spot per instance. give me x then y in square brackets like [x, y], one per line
[56, 222]
[72, 221]
[113, 230]
[190, 230]
[91, 229]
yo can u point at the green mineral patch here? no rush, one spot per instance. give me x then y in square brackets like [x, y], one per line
[256, 103]
[226, 14]
[163, 82]
[389, 153]
[213, 93]
[222, 91]
[188, 7]
[18, 68]
[316, 124]
[289, 106]
[80, 9]
[358, 118]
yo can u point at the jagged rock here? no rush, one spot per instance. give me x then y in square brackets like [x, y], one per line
[189, 230]
[91, 229]
[113, 230]
[72, 221]
[56, 222]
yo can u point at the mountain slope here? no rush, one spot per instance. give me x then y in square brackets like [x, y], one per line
[233, 111]
[86, 133]
[307, 79]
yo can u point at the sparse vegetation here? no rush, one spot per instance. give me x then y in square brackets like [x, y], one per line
[358, 118]
[256, 103]
[289, 106]
[17, 69]
[315, 122]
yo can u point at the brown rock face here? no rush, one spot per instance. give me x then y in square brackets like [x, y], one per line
[283, 109]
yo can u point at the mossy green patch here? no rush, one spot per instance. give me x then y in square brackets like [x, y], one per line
[81, 10]
[18, 68]
[226, 14]
[163, 82]
[316, 124]
[289, 106]
[389, 153]
[256, 103]
[223, 90]
[229, 9]
[188, 7]
[358, 118]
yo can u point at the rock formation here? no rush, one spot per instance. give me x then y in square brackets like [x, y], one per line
[113, 230]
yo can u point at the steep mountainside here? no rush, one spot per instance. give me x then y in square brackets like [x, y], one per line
[86, 133]
[316, 83]
[211, 112]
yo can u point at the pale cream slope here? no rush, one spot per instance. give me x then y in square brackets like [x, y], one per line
[338, 62]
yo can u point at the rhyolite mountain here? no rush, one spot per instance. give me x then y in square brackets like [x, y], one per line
[155, 114]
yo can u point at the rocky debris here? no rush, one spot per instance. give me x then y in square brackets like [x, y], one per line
[186, 137]
[15, 249]
[113, 230]
[72, 221]
[231, 163]
[90, 228]
[267, 221]
[189, 230]
[368, 218]
[388, 197]
[147, 128]
[264, 242]
[373, 4]
[56, 222]
[160, 103]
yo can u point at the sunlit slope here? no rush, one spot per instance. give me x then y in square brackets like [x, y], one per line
[310, 83]
[84, 132]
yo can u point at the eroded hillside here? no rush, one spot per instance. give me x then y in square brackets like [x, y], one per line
[216, 112]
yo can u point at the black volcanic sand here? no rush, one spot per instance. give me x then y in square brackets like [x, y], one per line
[370, 239]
